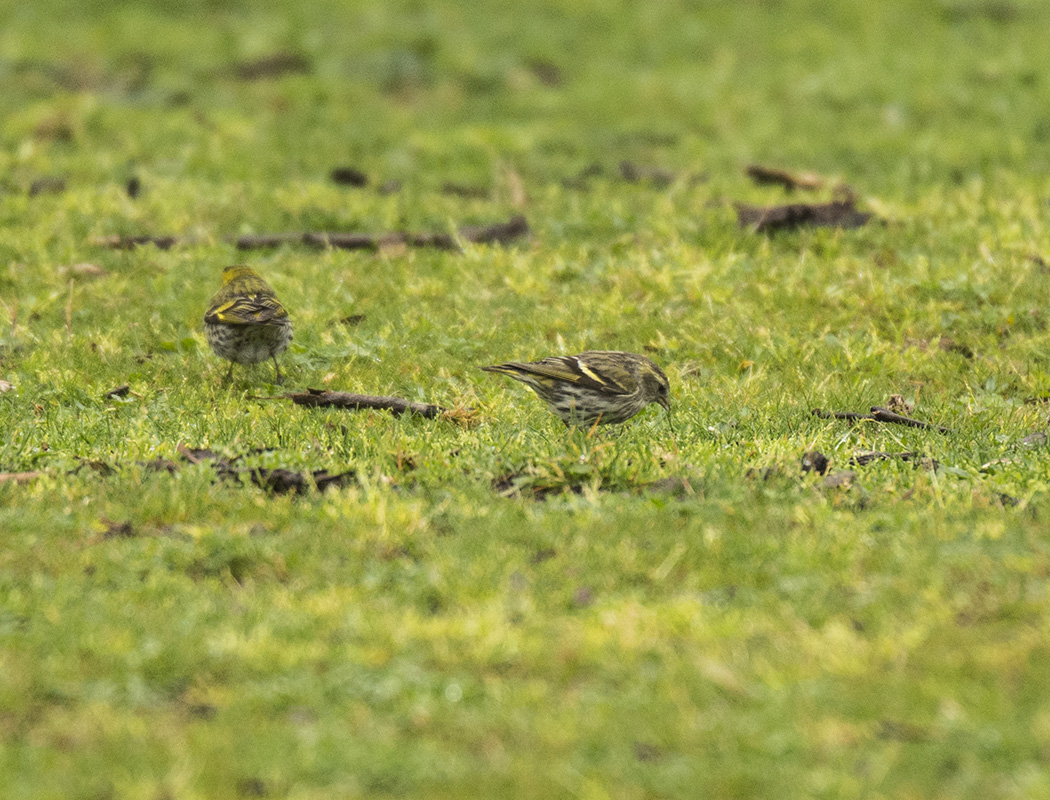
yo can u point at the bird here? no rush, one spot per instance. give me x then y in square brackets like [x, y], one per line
[597, 387]
[245, 322]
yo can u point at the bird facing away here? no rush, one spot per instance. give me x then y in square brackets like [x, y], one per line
[245, 322]
[598, 387]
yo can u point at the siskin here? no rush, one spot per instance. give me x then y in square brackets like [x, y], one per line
[245, 322]
[599, 387]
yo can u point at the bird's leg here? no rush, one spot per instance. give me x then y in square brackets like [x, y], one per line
[277, 369]
[229, 374]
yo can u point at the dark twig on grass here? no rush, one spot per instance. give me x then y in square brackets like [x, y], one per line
[318, 398]
[879, 414]
[497, 233]
[852, 416]
[770, 219]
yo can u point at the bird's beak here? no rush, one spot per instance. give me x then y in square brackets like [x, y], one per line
[665, 402]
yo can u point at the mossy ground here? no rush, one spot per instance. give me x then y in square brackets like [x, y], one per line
[428, 631]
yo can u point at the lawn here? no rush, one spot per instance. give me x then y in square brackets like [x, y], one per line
[484, 603]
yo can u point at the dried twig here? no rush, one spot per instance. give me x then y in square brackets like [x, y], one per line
[318, 398]
[790, 181]
[853, 416]
[879, 414]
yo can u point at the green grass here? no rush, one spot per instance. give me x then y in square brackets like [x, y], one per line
[509, 609]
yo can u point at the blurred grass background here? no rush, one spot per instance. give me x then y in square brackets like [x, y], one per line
[679, 616]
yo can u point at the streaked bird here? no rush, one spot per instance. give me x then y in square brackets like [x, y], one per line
[245, 322]
[598, 387]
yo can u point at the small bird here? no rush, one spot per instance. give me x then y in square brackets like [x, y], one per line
[245, 322]
[598, 387]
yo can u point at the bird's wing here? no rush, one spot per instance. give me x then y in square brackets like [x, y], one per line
[572, 370]
[246, 310]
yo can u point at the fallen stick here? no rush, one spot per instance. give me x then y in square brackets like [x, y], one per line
[879, 414]
[319, 398]
[852, 416]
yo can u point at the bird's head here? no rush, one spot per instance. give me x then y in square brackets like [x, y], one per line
[237, 271]
[655, 385]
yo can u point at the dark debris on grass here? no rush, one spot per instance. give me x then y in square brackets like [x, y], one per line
[274, 65]
[498, 233]
[774, 219]
[525, 484]
[546, 72]
[465, 190]
[815, 461]
[348, 176]
[48, 184]
[864, 457]
[637, 173]
[277, 480]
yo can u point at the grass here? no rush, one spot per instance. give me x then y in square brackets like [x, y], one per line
[509, 609]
